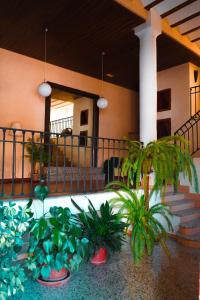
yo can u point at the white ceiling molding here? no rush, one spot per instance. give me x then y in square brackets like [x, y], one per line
[189, 25]
[184, 12]
[167, 5]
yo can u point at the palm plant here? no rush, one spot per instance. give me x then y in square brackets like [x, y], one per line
[102, 228]
[165, 157]
[146, 228]
[36, 153]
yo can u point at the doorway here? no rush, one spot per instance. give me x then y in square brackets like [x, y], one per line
[71, 110]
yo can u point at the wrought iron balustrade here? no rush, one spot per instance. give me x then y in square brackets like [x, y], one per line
[194, 100]
[59, 125]
[69, 164]
[190, 130]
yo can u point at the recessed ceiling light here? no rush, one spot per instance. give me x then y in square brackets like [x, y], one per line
[110, 75]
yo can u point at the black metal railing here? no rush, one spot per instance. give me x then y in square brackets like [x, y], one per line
[194, 100]
[69, 164]
[190, 131]
[59, 125]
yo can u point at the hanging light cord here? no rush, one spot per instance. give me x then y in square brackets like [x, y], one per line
[45, 52]
[102, 71]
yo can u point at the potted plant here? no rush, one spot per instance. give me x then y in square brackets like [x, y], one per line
[104, 230]
[37, 157]
[166, 160]
[14, 225]
[56, 244]
[145, 227]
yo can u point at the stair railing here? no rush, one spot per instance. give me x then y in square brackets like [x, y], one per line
[190, 131]
[194, 99]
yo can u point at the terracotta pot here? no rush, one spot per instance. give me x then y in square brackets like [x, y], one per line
[99, 257]
[129, 230]
[56, 278]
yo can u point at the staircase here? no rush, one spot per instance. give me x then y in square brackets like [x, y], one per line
[57, 172]
[190, 131]
[186, 206]
[61, 174]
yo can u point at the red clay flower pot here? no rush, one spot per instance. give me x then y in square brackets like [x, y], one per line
[99, 257]
[129, 233]
[56, 278]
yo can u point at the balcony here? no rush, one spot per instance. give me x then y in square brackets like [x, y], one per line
[59, 125]
[69, 164]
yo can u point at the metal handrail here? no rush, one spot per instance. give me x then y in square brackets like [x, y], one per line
[70, 164]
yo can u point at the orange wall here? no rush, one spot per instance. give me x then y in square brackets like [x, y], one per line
[19, 99]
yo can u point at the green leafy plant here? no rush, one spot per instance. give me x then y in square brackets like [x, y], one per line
[146, 229]
[165, 157]
[14, 225]
[102, 228]
[56, 242]
[36, 153]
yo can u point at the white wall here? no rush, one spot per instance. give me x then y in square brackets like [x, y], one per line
[79, 105]
[97, 199]
[194, 97]
[176, 78]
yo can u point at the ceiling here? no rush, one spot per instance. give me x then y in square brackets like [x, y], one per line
[78, 31]
[182, 13]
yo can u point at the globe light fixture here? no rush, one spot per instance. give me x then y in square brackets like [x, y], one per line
[102, 102]
[44, 88]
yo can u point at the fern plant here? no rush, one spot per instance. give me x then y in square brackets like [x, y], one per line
[146, 229]
[165, 158]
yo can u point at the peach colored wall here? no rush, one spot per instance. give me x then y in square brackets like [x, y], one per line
[19, 99]
[176, 78]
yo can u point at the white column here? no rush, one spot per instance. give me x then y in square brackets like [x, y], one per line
[147, 34]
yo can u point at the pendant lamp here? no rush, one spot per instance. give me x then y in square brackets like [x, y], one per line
[102, 102]
[44, 88]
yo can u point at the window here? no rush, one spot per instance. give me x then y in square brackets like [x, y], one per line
[163, 127]
[83, 138]
[164, 100]
[84, 117]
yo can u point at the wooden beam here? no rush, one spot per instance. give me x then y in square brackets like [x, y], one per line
[154, 3]
[191, 30]
[186, 19]
[171, 11]
[137, 8]
[195, 40]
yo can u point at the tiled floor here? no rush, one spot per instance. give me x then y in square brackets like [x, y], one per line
[157, 278]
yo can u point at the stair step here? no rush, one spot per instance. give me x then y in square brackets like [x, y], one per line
[193, 237]
[187, 215]
[188, 240]
[171, 196]
[177, 205]
[190, 228]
